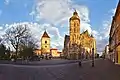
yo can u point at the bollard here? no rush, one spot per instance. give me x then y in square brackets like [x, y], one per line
[80, 64]
[92, 64]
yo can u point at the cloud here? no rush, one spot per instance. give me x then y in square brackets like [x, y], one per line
[37, 31]
[7, 2]
[85, 26]
[56, 38]
[52, 11]
[1, 27]
[102, 35]
[58, 12]
[55, 14]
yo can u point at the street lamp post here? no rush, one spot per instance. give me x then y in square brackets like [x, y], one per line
[80, 64]
[92, 57]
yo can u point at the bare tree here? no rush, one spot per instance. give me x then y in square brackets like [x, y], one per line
[15, 34]
[29, 41]
[28, 45]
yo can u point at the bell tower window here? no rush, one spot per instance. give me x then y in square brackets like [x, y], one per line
[46, 42]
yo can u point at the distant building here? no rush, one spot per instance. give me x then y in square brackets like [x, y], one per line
[38, 52]
[107, 52]
[66, 46]
[45, 44]
[45, 47]
[114, 37]
[77, 44]
[54, 53]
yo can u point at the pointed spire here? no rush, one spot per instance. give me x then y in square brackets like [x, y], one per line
[92, 36]
[45, 34]
[75, 12]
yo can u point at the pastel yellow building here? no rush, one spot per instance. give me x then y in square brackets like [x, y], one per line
[45, 44]
[45, 47]
[37, 52]
[54, 52]
[76, 44]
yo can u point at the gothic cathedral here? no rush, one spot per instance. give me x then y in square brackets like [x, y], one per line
[78, 45]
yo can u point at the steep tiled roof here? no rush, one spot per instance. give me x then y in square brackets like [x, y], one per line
[75, 16]
[91, 36]
[85, 32]
[45, 35]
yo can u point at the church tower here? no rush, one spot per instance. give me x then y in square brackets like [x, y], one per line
[45, 44]
[74, 31]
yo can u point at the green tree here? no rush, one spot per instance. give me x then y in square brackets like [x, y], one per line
[2, 51]
[28, 45]
[27, 52]
[7, 56]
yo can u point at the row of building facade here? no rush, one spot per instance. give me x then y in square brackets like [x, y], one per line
[114, 37]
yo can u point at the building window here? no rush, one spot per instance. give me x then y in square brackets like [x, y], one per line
[77, 24]
[46, 42]
[74, 24]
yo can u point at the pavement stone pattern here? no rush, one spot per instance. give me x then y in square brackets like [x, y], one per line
[40, 63]
[103, 70]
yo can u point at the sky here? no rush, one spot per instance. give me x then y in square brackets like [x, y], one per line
[53, 16]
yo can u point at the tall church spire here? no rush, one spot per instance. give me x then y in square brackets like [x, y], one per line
[74, 28]
[75, 12]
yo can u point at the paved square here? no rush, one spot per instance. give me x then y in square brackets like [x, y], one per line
[103, 70]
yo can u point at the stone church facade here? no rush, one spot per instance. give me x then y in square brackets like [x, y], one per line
[77, 45]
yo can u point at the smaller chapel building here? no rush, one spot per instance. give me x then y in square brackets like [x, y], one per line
[46, 51]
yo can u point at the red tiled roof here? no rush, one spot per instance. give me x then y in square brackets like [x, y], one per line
[59, 52]
[53, 49]
[45, 35]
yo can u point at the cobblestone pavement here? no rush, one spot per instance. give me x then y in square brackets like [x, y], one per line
[103, 70]
[41, 62]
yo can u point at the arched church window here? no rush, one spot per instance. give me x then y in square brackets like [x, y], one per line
[74, 36]
[77, 36]
[77, 24]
